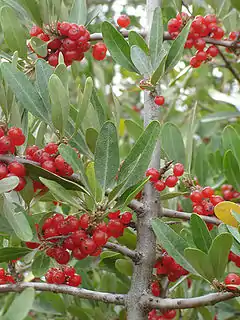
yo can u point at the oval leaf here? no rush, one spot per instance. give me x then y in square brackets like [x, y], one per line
[223, 211]
[141, 61]
[231, 169]
[136, 39]
[156, 37]
[39, 46]
[12, 253]
[201, 235]
[8, 184]
[78, 12]
[40, 264]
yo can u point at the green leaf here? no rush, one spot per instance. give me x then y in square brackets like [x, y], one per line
[94, 185]
[156, 37]
[39, 46]
[201, 235]
[14, 34]
[78, 12]
[177, 47]
[134, 129]
[43, 73]
[172, 195]
[40, 264]
[71, 157]
[117, 46]
[124, 266]
[8, 184]
[91, 138]
[159, 72]
[97, 105]
[200, 262]
[106, 157]
[62, 72]
[25, 92]
[234, 232]
[172, 242]
[21, 305]
[219, 116]
[12, 253]
[60, 103]
[235, 4]
[135, 39]
[60, 193]
[141, 61]
[218, 253]
[16, 219]
[231, 141]
[33, 9]
[83, 106]
[137, 161]
[200, 164]
[231, 169]
[172, 142]
[92, 15]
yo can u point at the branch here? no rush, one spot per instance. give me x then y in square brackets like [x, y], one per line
[223, 43]
[118, 299]
[229, 66]
[134, 255]
[209, 299]
[138, 207]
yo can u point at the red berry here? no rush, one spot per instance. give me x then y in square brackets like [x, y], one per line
[1, 132]
[68, 244]
[114, 215]
[170, 314]
[5, 144]
[160, 185]
[31, 150]
[225, 187]
[207, 192]
[32, 245]
[196, 196]
[54, 44]
[44, 37]
[73, 223]
[178, 169]
[216, 199]
[78, 236]
[171, 181]
[232, 278]
[75, 281]
[182, 16]
[17, 169]
[50, 232]
[210, 18]
[74, 32]
[69, 271]
[174, 25]
[62, 256]
[84, 221]
[3, 171]
[71, 55]
[53, 59]
[78, 254]
[35, 31]
[228, 195]
[123, 21]
[115, 228]
[63, 28]
[218, 33]
[49, 166]
[16, 135]
[159, 100]
[155, 288]
[69, 44]
[88, 246]
[9, 279]
[233, 35]
[194, 62]
[189, 44]
[100, 238]
[2, 273]
[212, 51]
[21, 184]
[198, 209]
[126, 217]
[201, 56]
[153, 173]
[58, 277]
[99, 51]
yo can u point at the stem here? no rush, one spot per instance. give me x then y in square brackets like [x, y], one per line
[146, 240]
[134, 255]
[229, 66]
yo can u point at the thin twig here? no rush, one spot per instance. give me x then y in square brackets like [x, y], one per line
[135, 256]
[229, 66]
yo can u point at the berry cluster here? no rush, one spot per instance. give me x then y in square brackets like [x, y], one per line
[14, 137]
[70, 39]
[234, 258]
[14, 169]
[83, 236]
[5, 278]
[228, 192]
[123, 21]
[167, 266]
[201, 27]
[157, 177]
[232, 280]
[154, 315]
[66, 275]
[159, 100]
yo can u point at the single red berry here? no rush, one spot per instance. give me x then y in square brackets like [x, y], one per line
[199, 44]
[171, 181]
[233, 35]
[212, 27]
[74, 32]
[114, 215]
[69, 44]
[3, 171]
[9, 279]
[50, 232]
[218, 33]
[88, 246]
[16, 135]
[53, 59]
[21, 184]
[62, 256]
[84, 221]
[73, 223]
[155, 288]
[35, 31]
[126, 217]
[115, 228]
[100, 238]
[170, 314]
[232, 278]
[78, 254]
[71, 55]
[210, 18]
[216, 199]
[178, 169]
[198, 209]
[123, 21]
[75, 281]
[207, 192]
[153, 174]
[44, 37]
[68, 244]
[51, 252]
[160, 185]
[225, 187]
[2, 273]
[196, 196]
[201, 56]
[49, 166]
[194, 62]
[174, 25]
[212, 51]
[32, 245]
[49, 276]
[69, 271]
[31, 150]
[63, 28]
[47, 223]
[17, 169]
[159, 100]
[58, 277]
[54, 44]
[78, 236]
[99, 51]
[228, 195]
[189, 44]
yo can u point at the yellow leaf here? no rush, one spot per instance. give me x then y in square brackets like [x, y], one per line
[121, 128]
[223, 211]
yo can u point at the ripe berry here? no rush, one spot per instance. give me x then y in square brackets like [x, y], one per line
[35, 31]
[84, 221]
[233, 35]
[194, 62]
[75, 281]
[62, 256]
[153, 174]
[126, 217]
[58, 277]
[63, 28]
[21, 184]
[17, 169]
[174, 25]
[160, 185]
[74, 32]
[99, 51]
[100, 238]
[182, 16]
[32, 245]
[178, 169]
[78, 254]
[88, 246]
[69, 271]
[170, 314]
[69, 44]
[53, 59]
[16, 135]
[201, 56]
[49, 166]
[68, 244]
[155, 288]
[159, 100]
[232, 278]
[171, 181]
[210, 18]
[212, 51]
[31, 150]
[54, 44]
[196, 196]
[44, 37]
[216, 199]
[188, 44]
[218, 33]
[199, 44]
[207, 192]
[3, 171]
[78, 236]
[123, 21]
[228, 195]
